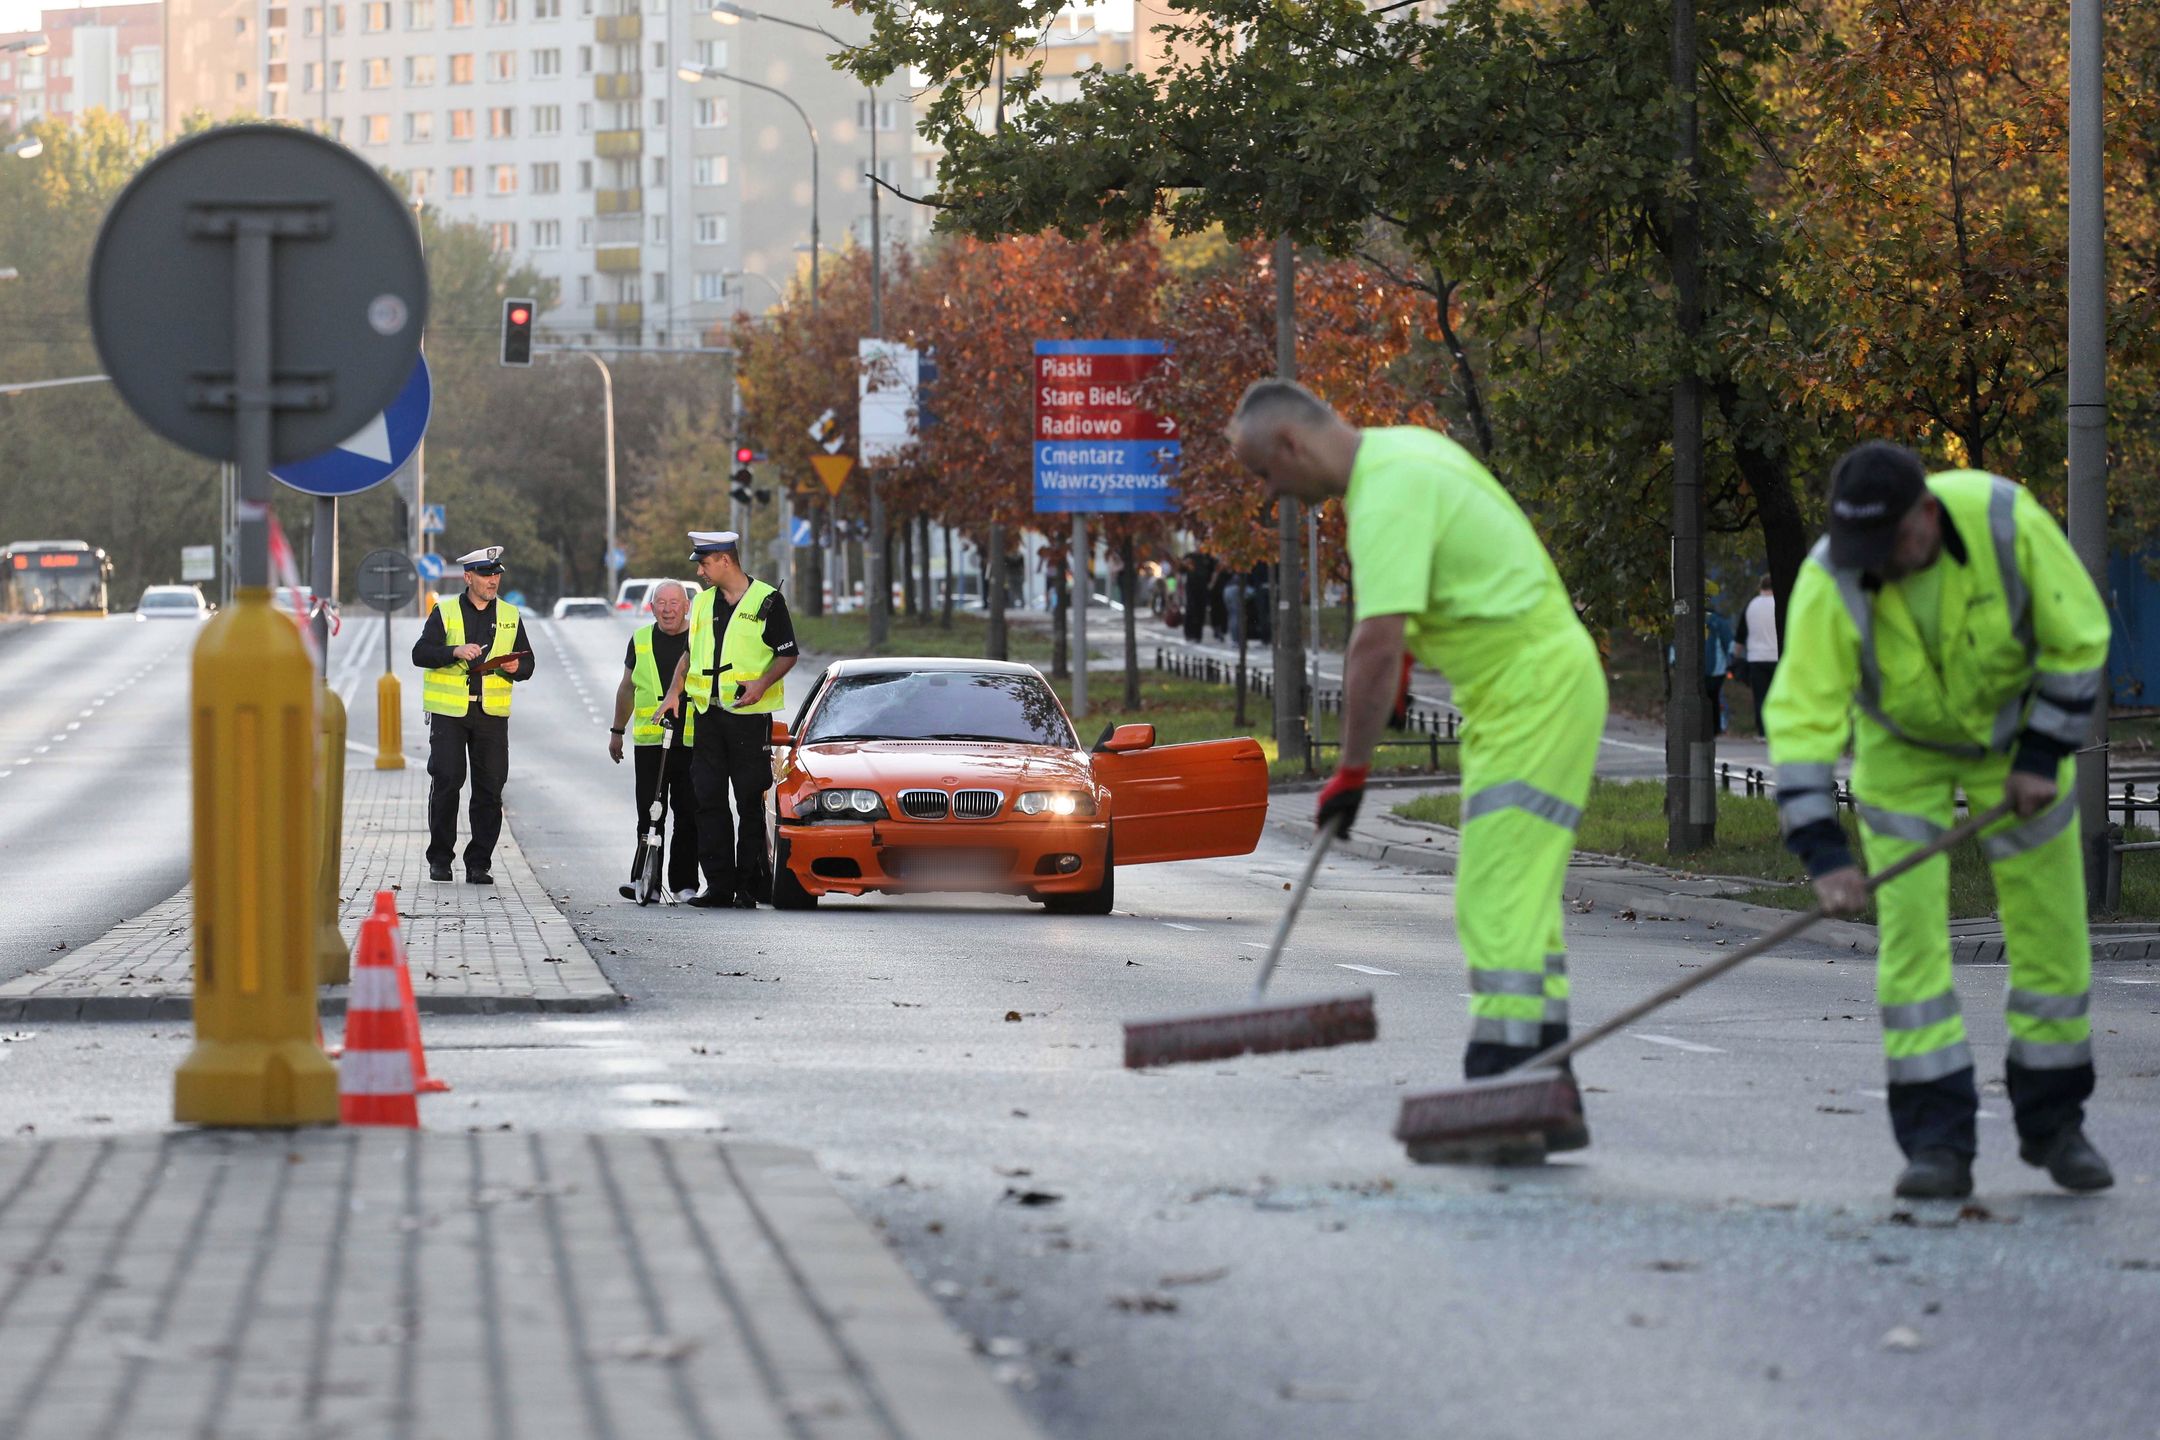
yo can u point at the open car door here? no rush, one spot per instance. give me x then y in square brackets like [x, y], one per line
[1185, 802]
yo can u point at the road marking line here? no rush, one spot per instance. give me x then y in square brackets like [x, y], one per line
[632, 1065]
[1365, 969]
[586, 1027]
[2120, 981]
[1688, 1045]
[1175, 926]
[669, 1119]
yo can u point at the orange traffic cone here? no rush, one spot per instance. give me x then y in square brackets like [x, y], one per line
[375, 1075]
[386, 911]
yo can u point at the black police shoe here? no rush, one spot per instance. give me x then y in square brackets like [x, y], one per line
[1936, 1175]
[439, 872]
[2070, 1160]
[745, 901]
[478, 877]
[712, 900]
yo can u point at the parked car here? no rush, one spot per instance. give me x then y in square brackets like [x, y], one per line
[172, 602]
[930, 774]
[581, 607]
[634, 597]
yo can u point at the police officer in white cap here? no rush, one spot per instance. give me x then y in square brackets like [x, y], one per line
[742, 642]
[472, 649]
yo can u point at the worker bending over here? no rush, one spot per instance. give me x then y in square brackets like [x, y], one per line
[1949, 612]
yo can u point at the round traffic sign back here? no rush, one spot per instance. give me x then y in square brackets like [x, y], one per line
[387, 580]
[348, 287]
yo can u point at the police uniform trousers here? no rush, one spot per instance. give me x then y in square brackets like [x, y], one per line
[1533, 701]
[732, 757]
[477, 744]
[1906, 795]
[682, 808]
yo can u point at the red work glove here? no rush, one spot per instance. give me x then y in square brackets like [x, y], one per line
[1399, 717]
[1341, 796]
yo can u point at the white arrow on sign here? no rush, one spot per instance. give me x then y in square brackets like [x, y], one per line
[1167, 425]
[371, 440]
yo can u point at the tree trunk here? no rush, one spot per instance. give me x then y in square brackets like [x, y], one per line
[1777, 507]
[922, 549]
[1129, 585]
[1060, 620]
[945, 609]
[908, 600]
[814, 594]
[994, 593]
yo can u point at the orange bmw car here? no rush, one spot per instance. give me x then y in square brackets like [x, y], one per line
[929, 774]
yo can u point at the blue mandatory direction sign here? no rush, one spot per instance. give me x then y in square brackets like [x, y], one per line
[431, 567]
[1097, 446]
[378, 450]
[799, 534]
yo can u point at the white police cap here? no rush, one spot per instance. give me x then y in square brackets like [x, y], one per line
[487, 560]
[713, 542]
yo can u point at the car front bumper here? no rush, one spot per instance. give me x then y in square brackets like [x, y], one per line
[1007, 855]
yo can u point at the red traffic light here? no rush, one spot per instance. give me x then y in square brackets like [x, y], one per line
[519, 315]
[744, 454]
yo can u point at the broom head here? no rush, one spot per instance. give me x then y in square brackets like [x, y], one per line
[1493, 1120]
[1255, 1030]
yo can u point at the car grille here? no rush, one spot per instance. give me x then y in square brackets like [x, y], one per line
[976, 804]
[923, 804]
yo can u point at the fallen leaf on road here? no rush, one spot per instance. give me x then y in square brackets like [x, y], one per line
[1836, 1110]
[1286, 884]
[906, 1004]
[1012, 1017]
[1032, 1197]
[1145, 1302]
[1902, 1337]
[1671, 1267]
[1193, 1277]
[1628, 914]
[1132, 962]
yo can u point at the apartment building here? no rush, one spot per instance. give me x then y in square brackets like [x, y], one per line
[107, 57]
[659, 205]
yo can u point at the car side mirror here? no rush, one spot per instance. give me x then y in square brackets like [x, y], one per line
[780, 732]
[1127, 738]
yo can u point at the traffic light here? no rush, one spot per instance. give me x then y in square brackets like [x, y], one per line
[744, 455]
[517, 332]
[740, 484]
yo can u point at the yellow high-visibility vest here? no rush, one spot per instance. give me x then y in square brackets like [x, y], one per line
[648, 690]
[743, 652]
[445, 691]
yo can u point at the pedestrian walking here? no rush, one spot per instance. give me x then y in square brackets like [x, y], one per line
[1757, 638]
[742, 645]
[1218, 614]
[656, 650]
[472, 648]
[1717, 661]
[1199, 585]
[1945, 621]
[1446, 563]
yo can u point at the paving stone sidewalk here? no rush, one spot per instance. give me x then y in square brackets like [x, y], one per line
[474, 949]
[318, 1284]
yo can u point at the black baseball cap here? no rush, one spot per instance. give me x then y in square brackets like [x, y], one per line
[1872, 487]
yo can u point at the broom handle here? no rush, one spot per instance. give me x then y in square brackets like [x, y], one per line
[1949, 840]
[1322, 841]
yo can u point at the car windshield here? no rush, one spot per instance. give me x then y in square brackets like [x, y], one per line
[585, 610]
[169, 600]
[941, 705]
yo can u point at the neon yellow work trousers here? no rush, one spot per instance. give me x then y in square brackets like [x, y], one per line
[1906, 799]
[1532, 716]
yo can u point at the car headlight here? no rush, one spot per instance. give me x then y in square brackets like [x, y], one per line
[1055, 802]
[843, 804]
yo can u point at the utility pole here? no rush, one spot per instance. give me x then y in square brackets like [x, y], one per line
[994, 646]
[880, 596]
[1291, 741]
[1690, 801]
[2088, 387]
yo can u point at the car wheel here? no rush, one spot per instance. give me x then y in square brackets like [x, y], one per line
[787, 891]
[1089, 902]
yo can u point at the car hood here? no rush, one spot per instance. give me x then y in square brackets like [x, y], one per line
[893, 765]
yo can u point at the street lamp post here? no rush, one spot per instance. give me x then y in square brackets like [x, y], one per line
[607, 440]
[695, 73]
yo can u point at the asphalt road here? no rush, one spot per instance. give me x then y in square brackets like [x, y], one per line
[93, 778]
[1239, 1250]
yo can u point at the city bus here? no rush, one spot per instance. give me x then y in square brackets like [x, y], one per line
[53, 577]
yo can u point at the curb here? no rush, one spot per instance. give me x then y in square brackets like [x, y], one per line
[45, 1009]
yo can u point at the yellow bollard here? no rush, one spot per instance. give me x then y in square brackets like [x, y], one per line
[333, 959]
[389, 724]
[252, 734]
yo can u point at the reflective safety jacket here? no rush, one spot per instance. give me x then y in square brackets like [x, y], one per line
[445, 690]
[648, 689]
[2021, 653]
[743, 654]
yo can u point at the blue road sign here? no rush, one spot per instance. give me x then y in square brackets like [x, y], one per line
[617, 558]
[431, 567]
[1097, 447]
[432, 521]
[373, 454]
[799, 534]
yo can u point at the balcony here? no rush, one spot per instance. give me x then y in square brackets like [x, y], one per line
[618, 144]
[618, 202]
[618, 259]
[619, 29]
[623, 85]
[628, 316]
